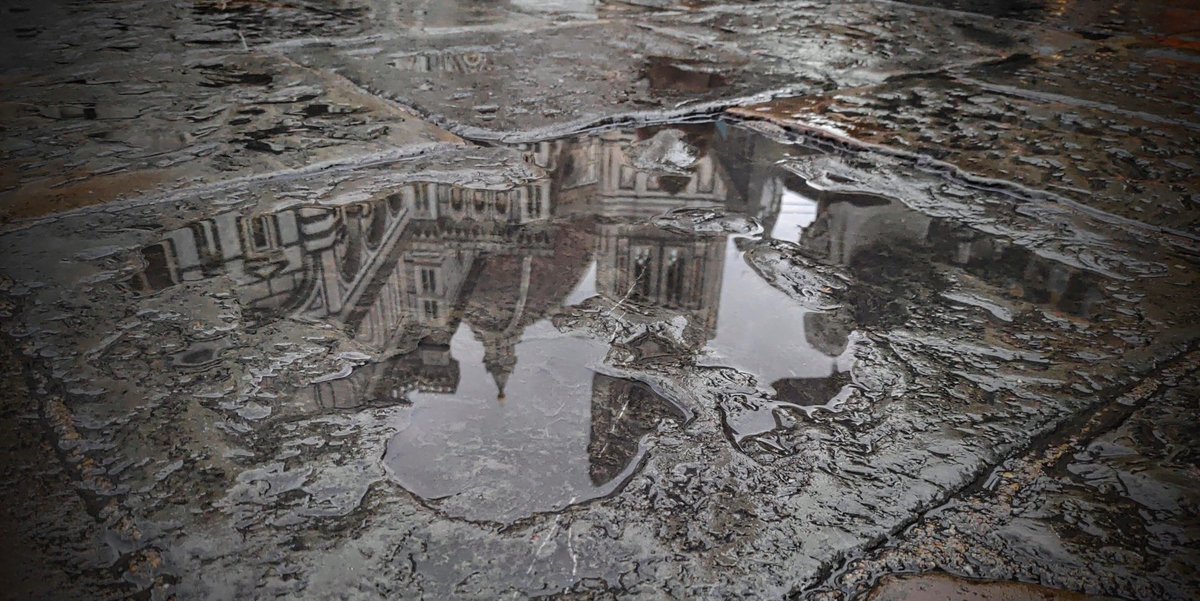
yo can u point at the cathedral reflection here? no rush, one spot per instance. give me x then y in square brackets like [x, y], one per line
[407, 272]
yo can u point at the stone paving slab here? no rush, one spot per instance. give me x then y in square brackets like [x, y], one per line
[46, 531]
[73, 142]
[1107, 508]
[939, 587]
[43, 37]
[517, 84]
[976, 313]
[215, 448]
[530, 83]
[257, 22]
[1057, 123]
[846, 44]
[133, 108]
[1092, 18]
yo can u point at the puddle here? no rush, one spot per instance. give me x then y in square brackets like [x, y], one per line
[527, 429]
[280, 332]
[436, 62]
[454, 291]
[666, 73]
[576, 355]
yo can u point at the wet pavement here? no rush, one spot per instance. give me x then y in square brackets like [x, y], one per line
[574, 299]
[1104, 508]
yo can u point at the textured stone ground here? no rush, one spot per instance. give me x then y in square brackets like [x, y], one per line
[1000, 268]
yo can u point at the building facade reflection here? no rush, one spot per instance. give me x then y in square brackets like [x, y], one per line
[419, 271]
[863, 232]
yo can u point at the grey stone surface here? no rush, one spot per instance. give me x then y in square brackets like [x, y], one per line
[265, 376]
[1107, 508]
[370, 299]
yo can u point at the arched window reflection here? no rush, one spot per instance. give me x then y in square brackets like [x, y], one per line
[675, 267]
[377, 226]
[641, 274]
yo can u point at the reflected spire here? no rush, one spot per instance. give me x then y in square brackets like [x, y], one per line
[501, 379]
[499, 358]
[500, 355]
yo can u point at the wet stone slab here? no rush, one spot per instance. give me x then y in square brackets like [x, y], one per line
[939, 587]
[91, 137]
[112, 101]
[694, 356]
[1105, 507]
[486, 84]
[1120, 144]
[519, 78]
[1107, 120]
[1096, 19]
[260, 23]
[42, 36]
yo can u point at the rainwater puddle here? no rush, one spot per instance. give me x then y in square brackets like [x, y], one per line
[453, 292]
[560, 432]
[695, 245]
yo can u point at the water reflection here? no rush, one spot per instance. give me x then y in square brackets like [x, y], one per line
[680, 75]
[456, 289]
[455, 15]
[882, 242]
